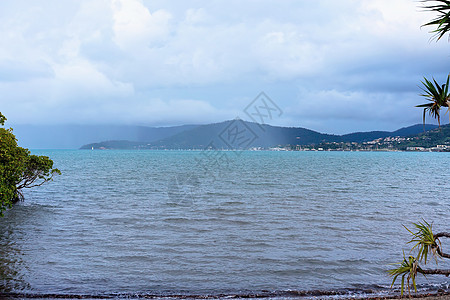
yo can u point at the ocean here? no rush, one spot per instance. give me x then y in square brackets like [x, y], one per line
[223, 223]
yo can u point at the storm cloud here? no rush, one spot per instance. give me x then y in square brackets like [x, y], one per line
[332, 66]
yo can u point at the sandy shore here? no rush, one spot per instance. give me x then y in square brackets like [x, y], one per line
[435, 297]
[443, 296]
[439, 296]
[415, 297]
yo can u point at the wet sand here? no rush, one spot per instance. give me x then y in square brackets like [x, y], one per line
[15, 296]
[441, 296]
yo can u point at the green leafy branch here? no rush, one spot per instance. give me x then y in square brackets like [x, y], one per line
[408, 266]
[442, 21]
[426, 243]
[438, 97]
[19, 169]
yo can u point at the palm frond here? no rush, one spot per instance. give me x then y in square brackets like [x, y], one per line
[409, 266]
[424, 241]
[437, 95]
[442, 21]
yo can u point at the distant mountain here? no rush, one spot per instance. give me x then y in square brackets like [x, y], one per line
[72, 136]
[221, 135]
[431, 138]
[360, 137]
[413, 130]
[237, 134]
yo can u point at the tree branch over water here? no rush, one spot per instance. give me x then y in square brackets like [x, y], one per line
[434, 272]
[426, 243]
[19, 169]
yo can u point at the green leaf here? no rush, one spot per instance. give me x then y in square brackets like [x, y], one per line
[437, 95]
[19, 169]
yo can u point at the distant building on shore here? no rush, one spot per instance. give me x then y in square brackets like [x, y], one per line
[415, 149]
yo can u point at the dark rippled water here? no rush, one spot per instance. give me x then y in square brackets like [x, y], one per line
[186, 222]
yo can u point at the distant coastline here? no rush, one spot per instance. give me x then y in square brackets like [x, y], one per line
[242, 135]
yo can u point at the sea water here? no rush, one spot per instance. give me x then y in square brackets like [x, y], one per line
[221, 222]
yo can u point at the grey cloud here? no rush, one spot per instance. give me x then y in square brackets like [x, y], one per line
[17, 70]
[354, 60]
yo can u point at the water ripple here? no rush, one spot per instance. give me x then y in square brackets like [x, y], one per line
[272, 221]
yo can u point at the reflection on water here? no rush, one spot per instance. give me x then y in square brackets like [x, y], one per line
[11, 263]
[22, 229]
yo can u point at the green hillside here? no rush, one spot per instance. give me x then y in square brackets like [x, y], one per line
[428, 139]
[221, 136]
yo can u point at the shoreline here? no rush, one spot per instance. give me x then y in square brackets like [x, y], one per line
[439, 295]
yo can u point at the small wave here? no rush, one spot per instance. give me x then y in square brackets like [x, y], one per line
[374, 292]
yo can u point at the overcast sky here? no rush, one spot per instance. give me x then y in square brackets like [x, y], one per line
[332, 66]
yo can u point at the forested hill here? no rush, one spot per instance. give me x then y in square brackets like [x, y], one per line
[240, 134]
[431, 138]
[372, 135]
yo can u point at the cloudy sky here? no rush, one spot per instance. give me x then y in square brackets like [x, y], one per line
[332, 66]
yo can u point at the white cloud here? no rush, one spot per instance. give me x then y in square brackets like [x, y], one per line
[107, 59]
[135, 27]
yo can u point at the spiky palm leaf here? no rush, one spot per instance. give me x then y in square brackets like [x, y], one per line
[442, 21]
[437, 95]
[409, 266]
[424, 241]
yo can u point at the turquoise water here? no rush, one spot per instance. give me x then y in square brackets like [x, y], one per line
[191, 222]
